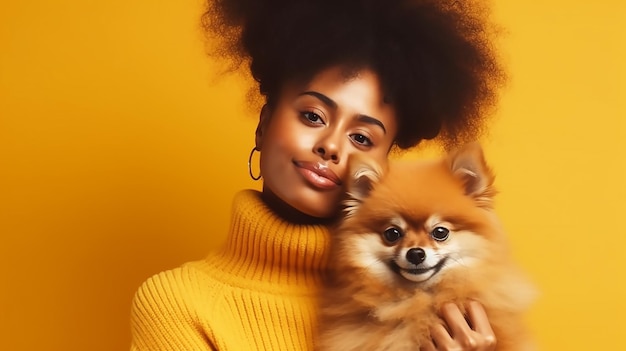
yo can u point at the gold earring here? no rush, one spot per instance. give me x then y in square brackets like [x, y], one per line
[250, 165]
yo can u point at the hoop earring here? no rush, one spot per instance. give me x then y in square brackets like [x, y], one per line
[250, 165]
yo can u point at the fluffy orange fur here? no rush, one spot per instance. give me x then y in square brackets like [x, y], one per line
[377, 299]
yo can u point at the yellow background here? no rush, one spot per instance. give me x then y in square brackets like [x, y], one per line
[120, 151]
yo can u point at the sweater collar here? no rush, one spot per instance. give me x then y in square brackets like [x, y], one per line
[263, 247]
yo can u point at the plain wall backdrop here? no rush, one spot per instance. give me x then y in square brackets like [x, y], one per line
[121, 149]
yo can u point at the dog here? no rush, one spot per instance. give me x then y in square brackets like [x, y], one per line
[414, 236]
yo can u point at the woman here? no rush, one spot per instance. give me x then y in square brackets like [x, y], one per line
[339, 79]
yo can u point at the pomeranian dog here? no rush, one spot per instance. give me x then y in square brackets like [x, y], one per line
[415, 236]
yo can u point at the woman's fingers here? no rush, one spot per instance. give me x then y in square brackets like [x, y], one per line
[478, 318]
[428, 347]
[441, 337]
[459, 328]
[457, 334]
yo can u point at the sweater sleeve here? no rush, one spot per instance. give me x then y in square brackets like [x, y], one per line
[164, 314]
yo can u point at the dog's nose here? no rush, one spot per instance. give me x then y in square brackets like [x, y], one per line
[416, 255]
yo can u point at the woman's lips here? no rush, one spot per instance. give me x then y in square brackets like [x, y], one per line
[318, 175]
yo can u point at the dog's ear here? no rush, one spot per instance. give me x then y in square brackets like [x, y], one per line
[468, 164]
[364, 173]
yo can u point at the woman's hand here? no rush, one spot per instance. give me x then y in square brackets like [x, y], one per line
[459, 333]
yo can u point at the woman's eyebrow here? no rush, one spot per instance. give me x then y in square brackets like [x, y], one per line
[325, 99]
[332, 104]
[372, 120]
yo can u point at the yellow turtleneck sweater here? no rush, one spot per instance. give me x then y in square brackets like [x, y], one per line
[257, 293]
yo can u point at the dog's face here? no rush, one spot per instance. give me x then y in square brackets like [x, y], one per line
[419, 220]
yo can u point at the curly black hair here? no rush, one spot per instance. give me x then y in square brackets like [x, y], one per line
[436, 59]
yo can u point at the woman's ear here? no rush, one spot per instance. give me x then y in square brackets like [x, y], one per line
[264, 118]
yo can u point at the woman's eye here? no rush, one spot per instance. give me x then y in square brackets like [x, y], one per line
[391, 235]
[440, 233]
[312, 117]
[361, 139]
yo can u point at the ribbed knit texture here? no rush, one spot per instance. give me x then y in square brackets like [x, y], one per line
[257, 293]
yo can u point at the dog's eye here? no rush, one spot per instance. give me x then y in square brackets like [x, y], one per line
[392, 235]
[440, 233]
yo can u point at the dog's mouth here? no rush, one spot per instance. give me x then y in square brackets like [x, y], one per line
[420, 274]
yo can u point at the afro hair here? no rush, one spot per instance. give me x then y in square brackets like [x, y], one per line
[436, 59]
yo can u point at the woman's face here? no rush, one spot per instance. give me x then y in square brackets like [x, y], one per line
[307, 138]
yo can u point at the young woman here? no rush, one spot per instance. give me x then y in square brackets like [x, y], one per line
[339, 79]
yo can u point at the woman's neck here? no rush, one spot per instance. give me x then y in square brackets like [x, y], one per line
[291, 214]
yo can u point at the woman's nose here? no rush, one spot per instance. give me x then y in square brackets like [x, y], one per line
[327, 154]
[328, 149]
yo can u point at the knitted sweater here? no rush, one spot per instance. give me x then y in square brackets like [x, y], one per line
[257, 293]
